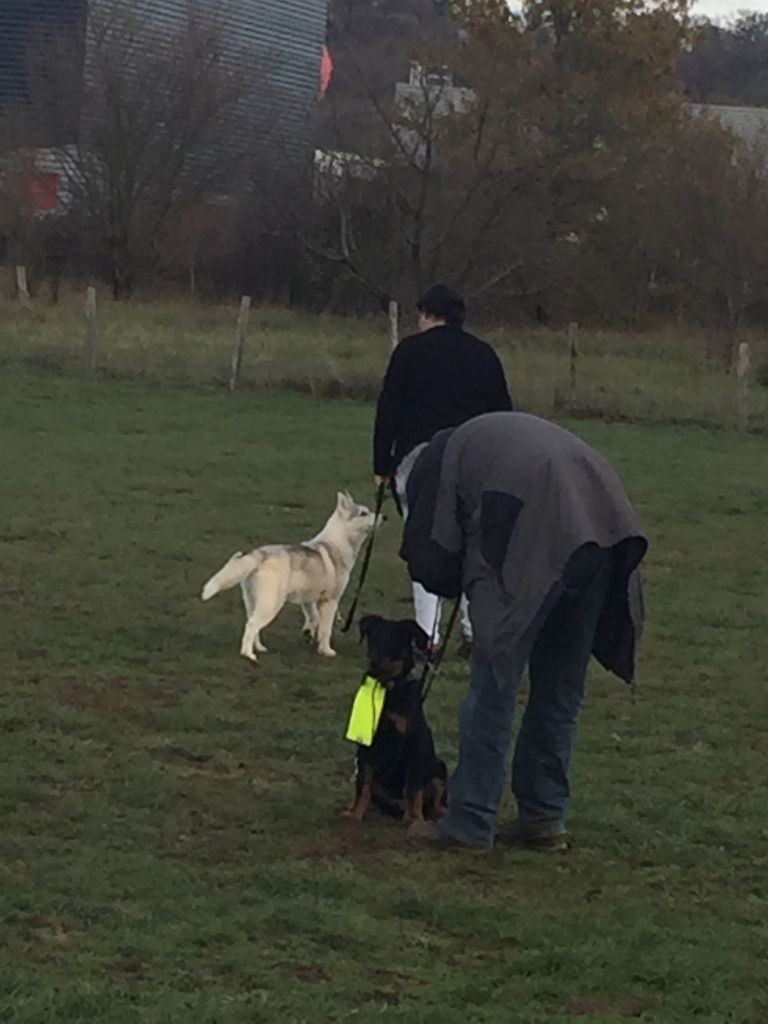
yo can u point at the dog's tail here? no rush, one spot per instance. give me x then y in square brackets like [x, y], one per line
[232, 572]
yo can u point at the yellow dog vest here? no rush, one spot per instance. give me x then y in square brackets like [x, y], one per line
[366, 712]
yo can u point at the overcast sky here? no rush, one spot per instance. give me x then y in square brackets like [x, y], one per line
[712, 8]
[726, 8]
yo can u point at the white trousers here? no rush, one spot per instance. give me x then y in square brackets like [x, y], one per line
[426, 606]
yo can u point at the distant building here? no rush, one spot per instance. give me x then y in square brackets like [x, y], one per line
[283, 39]
[435, 88]
[748, 124]
[280, 39]
[426, 89]
[21, 23]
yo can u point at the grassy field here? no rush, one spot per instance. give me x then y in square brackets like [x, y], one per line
[654, 377]
[169, 850]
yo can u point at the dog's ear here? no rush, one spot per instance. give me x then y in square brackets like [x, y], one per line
[417, 634]
[343, 502]
[366, 624]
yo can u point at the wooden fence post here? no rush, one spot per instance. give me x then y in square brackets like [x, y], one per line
[22, 287]
[573, 350]
[743, 366]
[242, 329]
[90, 329]
[394, 324]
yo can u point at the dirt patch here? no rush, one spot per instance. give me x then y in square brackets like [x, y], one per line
[367, 844]
[622, 1006]
[120, 697]
[312, 974]
[200, 764]
[383, 996]
[216, 771]
[80, 784]
[47, 934]
[129, 968]
[307, 695]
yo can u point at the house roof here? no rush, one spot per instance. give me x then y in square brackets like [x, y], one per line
[749, 124]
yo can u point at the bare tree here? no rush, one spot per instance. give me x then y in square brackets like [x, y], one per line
[196, 235]
[18, 211]
[28, 196]
[450, 178]
[161, 124]
[495, 165]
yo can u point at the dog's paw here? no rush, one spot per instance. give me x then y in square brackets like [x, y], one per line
[350, 815]
[413, 819]
[328, 652]
[249, 656]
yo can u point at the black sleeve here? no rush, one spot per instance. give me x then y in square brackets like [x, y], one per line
[498, 392]
[388, 415]
[438, 569]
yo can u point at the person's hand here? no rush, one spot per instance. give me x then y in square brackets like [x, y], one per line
[383, 480]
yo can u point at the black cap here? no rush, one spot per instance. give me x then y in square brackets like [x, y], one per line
[443, 303]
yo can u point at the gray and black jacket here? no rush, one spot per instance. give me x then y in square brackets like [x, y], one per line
[504, 508]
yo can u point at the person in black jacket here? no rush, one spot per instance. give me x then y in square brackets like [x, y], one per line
[436, 379]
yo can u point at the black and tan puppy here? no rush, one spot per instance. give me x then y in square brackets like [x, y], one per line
[400, 773]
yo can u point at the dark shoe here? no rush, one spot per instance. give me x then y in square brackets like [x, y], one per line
[429, 834]
[538, 836]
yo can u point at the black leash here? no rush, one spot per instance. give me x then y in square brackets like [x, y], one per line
[432, 664]
[380, 495]
[396, 497]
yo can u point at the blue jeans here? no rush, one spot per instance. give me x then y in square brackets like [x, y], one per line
[557, 650]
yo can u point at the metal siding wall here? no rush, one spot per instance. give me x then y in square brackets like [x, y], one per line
[20, 20]
[294, 31]
[14, 29]
[284, 38]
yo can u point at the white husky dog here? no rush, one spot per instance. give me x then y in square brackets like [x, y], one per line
[314, 575]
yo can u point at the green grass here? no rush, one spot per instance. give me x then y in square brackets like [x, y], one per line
[656, 377]
[169, 850]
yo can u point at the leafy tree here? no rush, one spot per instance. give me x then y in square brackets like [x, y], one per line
[728, 63]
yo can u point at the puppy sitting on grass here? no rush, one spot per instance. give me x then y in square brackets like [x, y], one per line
[399, 772]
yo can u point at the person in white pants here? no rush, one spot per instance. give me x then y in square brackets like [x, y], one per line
[426, 606]
[438, 378]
